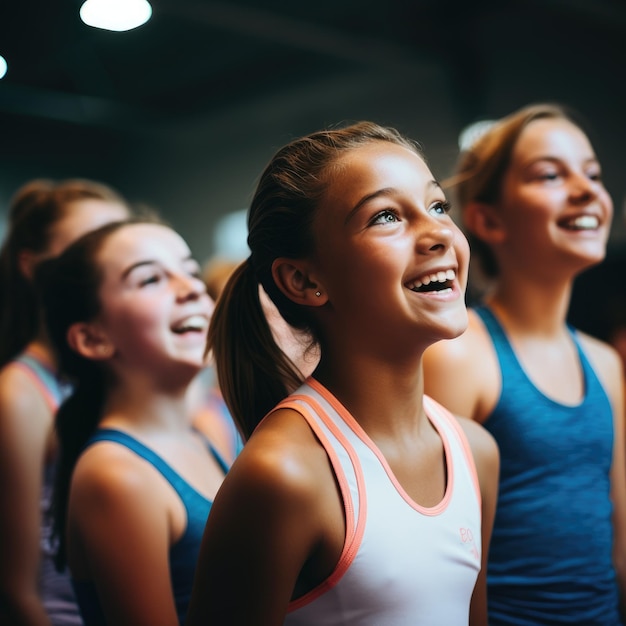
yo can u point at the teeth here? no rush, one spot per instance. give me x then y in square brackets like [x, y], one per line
[439, 277]
[584, 222]
[194, 322]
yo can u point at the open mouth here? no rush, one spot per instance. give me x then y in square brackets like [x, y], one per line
[191, 324]
[439, 281]
[580, 222]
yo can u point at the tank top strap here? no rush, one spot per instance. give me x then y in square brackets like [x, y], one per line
[51, 387]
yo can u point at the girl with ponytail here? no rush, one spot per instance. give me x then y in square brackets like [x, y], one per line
[356, 499]
[44, 217]
[128, 315]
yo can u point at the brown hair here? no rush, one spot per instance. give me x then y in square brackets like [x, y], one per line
[254, 374]
[35, 208]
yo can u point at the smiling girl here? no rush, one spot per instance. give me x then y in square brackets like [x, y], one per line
[532, 199]
[356, 499]
[128, 314]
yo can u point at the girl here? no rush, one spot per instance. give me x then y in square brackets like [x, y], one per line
[356, 500]
[532, 198]
[44, 217]
[128, 315]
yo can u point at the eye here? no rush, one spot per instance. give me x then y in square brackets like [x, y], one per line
[597, 176]
[150, 280]
[548, 176]
[385, 217]
[441, 208]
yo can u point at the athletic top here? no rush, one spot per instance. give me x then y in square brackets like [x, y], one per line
[402, 564]
[183, 554]
[550, 554]
[55, 588]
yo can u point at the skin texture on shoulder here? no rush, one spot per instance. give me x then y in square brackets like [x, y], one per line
[25, 422]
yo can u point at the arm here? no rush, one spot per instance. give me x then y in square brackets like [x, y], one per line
[119, 536]
[265, 523]
[608, 365]
[487, 460]
[25, 424]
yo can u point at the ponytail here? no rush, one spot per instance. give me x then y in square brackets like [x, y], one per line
[76, 420]
[253, 372]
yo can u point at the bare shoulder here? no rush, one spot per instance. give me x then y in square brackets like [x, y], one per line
[282, 461]
[607, 363]
[481, 441]
[108, 476]
[463, 373]
[25, 419]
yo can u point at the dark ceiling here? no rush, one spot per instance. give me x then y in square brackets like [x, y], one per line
[168, 110]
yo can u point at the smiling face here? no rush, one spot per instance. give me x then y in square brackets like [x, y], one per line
[392, 263]
[555, 210]
[155, 309]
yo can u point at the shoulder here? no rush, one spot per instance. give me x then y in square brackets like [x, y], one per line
[606, 362]
[282, 469]
[468, 364]
[108, 475]
[24, 413]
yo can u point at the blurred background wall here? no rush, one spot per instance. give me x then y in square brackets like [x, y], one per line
[183, 112]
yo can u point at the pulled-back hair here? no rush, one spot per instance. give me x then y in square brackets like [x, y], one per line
[69, 286]
[253, 372]
[35, 209]
[481, 168]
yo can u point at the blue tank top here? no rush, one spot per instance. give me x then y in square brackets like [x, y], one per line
[550, 557]
[183, 554]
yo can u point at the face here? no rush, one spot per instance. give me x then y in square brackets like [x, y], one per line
[555, 209]
[154, 307]
[392, 262]
[82, 216]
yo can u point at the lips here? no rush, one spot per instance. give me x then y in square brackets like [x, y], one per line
[580, 222]
[435, 281]
[192, 323]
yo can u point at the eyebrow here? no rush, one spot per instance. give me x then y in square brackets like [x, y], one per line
[134, 266]
[386, 191]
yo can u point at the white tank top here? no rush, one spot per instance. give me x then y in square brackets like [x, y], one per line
[402, 564]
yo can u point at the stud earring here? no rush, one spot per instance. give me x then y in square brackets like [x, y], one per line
[318, 293]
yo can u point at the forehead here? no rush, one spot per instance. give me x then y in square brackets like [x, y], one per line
[82, 216]
[376, 166]
[134, 243]
[552, 138]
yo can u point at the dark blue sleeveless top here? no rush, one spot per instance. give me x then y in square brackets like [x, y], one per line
[183, 554]
[550, 557]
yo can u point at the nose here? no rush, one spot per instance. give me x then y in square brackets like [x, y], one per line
[188, 287]
[583, 188]
[434, 236]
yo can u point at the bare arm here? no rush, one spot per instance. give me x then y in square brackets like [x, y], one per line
[120, 535]
[608, 365]
[265, 523]
[25, 424]
[487, 460]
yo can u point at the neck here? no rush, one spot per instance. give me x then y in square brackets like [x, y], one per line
[384, 396]
[531, 306]
[141, 408]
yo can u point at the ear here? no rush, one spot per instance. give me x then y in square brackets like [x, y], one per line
[26, 262]
[484, 221]
[90, 341]
[294, 278]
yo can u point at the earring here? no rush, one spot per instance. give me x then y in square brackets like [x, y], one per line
[318, 293]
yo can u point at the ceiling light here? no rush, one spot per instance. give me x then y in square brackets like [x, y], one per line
[116, 15]
[3, 67]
